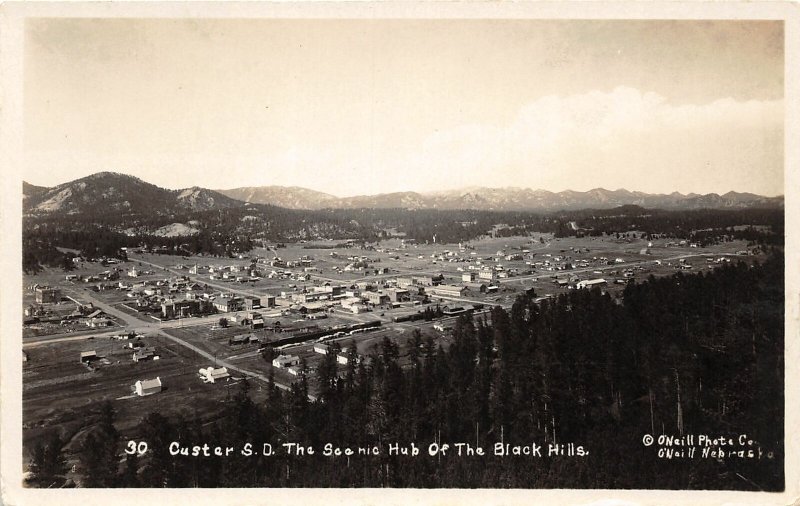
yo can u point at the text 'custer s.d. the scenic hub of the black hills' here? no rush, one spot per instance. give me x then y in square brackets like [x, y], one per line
[381, 253]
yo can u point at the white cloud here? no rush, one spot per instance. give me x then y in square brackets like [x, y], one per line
[618, 139]
[623, 138]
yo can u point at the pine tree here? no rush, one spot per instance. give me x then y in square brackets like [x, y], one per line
[99, 457]
[37, 465]
[157, 471]
[54, 466]
[130, 476]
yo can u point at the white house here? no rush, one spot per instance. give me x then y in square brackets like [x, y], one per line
[99, 322]
[212, 375]
[447, 290]
[488, 275]
[148, 387]
[343, 359]
[322, 349]
[284, 361]
[590, 283]
[143, 354]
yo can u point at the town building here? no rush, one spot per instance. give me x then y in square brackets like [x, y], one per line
[184, 308]
[148, 387]
[251, 302]
[404, 282]
[228, 304]
[375, 298]
[591, 283]
[256, 320]
[99, 322]
[398, 295]
[212, 374]
[284, 361]
[144, 354]
[447, 290]
[476, 287]
[88, 356]
[241, 339]
[423, 280]
[488, 275]
[45, 294]
[322, 349]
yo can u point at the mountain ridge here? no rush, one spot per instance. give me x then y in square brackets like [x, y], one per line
[510, 199]
[113, 192]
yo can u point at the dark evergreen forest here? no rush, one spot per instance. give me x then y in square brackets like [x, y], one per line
[686, 354]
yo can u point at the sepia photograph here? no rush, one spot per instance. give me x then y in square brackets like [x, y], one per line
[369, 247]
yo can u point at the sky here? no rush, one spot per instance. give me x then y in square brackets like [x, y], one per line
[353, 107]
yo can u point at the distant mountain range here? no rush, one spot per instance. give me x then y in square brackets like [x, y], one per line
[290, 197]
[109, 192]
[499, 199]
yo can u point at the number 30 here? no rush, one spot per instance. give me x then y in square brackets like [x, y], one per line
[139, 448]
